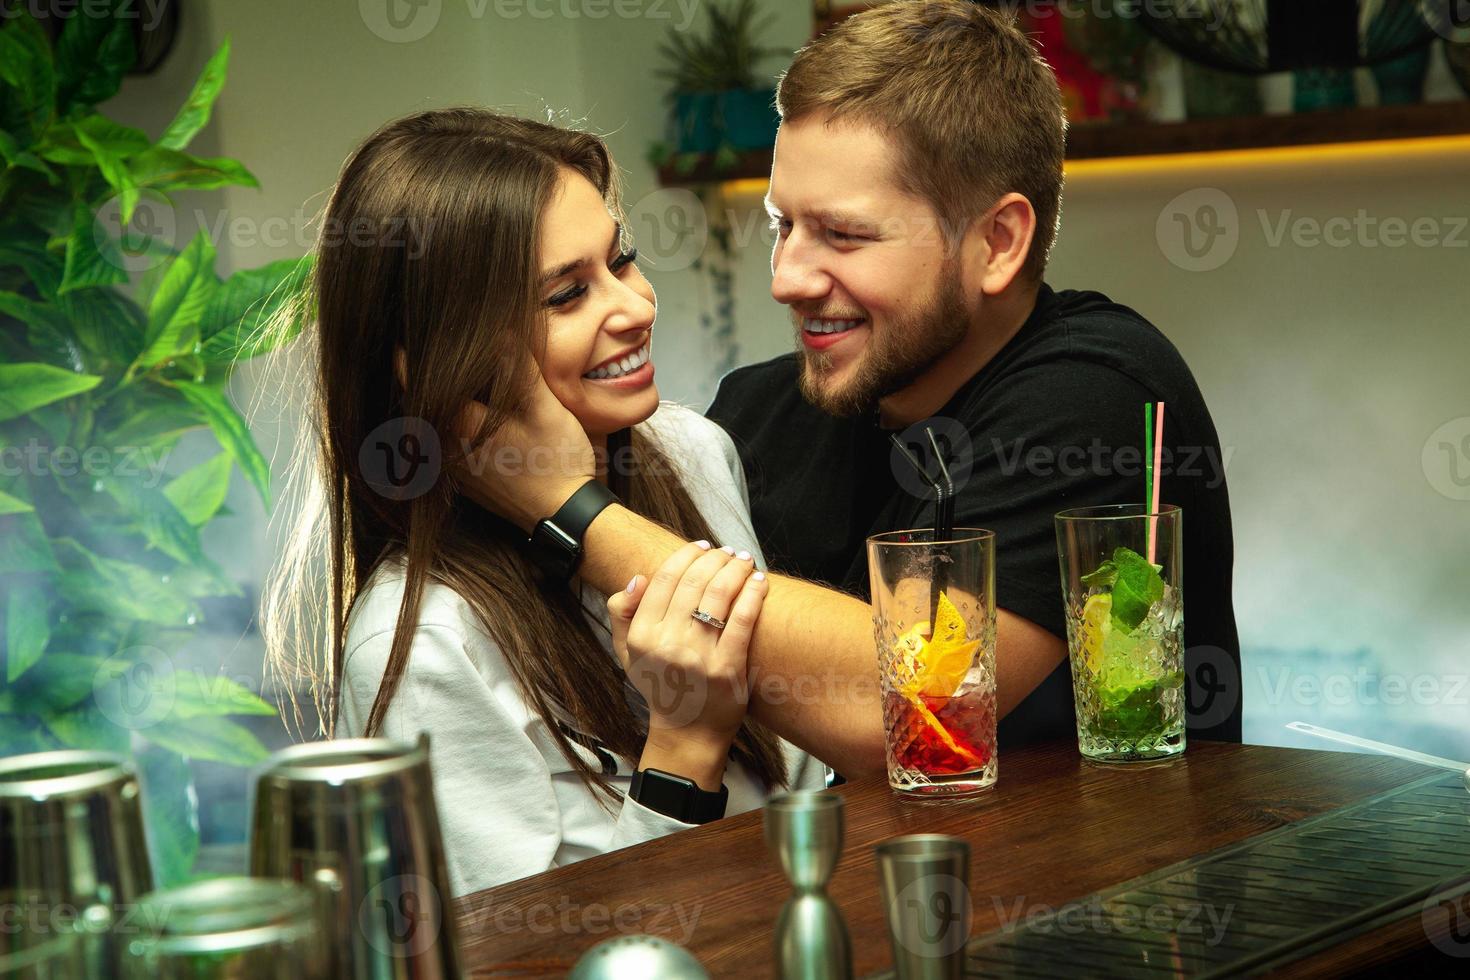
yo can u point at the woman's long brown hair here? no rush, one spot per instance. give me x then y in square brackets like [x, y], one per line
[429, 244]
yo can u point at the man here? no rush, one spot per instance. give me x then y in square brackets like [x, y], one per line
[915, 194]
[916, 184]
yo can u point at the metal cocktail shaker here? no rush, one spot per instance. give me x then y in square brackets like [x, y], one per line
[355, 819]
[73, 857]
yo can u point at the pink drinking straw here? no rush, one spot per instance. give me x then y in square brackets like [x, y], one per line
[1153, 522]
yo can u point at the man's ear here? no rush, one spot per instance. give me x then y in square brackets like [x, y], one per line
[996, 244]
[400, 367]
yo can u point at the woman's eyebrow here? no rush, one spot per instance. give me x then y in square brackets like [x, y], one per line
[570, 267]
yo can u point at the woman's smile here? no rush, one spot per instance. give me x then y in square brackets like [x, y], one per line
[626, 371]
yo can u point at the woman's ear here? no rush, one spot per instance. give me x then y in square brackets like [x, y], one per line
[400, 367]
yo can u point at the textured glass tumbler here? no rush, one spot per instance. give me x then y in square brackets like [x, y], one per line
[1122, 569]
[934, 626]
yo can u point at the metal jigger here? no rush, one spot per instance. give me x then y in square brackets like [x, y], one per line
[805, 832]
[228, 927]
[355, 819]
[924, 880]
[72, 854]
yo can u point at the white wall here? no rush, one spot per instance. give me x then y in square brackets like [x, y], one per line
[1327, 368]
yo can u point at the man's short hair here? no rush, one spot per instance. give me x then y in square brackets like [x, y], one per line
[975, 111]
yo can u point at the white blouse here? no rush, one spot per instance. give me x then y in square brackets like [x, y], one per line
[509, 803]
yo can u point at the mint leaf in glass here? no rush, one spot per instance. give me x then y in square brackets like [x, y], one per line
[1104, 575]
[1136, 588]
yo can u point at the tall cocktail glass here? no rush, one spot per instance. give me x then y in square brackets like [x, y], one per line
[1125, 629]
[934, 624]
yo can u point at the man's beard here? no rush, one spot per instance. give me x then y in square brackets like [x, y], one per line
[895, 358]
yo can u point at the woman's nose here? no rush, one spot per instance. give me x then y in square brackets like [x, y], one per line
[635, 309]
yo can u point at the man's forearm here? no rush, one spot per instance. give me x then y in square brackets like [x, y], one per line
[812, 668]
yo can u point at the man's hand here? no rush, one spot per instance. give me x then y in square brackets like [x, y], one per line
[532, 464]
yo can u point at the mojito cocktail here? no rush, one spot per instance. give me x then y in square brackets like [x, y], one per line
[1125, 630]
[935, 633]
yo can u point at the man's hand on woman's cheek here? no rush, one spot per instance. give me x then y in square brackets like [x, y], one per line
[525, 470]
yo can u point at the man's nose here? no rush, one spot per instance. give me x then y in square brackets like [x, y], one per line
[795, 275]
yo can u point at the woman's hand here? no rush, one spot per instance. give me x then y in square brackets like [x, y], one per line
[692, 674]
[532, 464]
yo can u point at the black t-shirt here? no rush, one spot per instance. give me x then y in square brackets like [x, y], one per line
[1054, 420]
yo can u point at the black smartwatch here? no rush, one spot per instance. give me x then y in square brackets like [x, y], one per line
[677, 797]
[555, 545]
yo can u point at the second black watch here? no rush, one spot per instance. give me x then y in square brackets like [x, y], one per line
[677, 797]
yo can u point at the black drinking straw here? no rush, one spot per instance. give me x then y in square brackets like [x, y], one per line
[943, 509]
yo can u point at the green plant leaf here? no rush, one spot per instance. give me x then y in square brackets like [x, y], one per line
[14, 505]
[58, 682]
[114, 137]
[235, 324]
[206, 579]
[20, 735]
[27, 68]
[61, 144]
[43, 268]
[26, 629]
[194, 113]
[173, 816]
[109, 144]
[50, 330]
[232, 432]
[24, 546]
[30, 385]
[92, 255]
[199, 491]
[157, 424]
[160, 521]
[198, 696]
[92, 55]
[84, 727]
[162, 169]
[118, 589]
[173, 314]
[105, 322]
[209, 737]
[13, 155]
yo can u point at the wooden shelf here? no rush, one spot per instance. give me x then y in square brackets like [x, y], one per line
[754, 163]
[1093, 140]
[1099, 140]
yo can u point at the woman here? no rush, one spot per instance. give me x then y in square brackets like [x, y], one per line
[477, 257]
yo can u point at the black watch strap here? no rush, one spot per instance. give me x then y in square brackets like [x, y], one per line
[677, 797]
[555, 546]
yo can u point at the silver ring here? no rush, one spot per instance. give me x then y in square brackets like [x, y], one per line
[707, 619]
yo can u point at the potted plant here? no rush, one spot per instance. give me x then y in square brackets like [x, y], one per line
[113, 345]
[717, 102]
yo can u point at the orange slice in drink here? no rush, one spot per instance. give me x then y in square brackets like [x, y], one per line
[946, 657]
